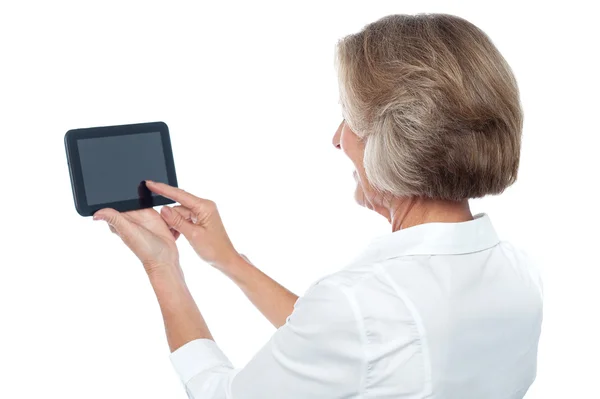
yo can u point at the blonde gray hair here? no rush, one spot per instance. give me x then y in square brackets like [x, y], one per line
[436, 104]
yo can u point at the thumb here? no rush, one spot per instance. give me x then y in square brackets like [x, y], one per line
[116, 221]
[176, 221]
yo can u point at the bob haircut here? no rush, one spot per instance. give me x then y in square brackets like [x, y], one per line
[436, 105]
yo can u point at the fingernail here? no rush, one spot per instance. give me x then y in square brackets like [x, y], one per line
[166, 210]
[97, 217]
[149, 181]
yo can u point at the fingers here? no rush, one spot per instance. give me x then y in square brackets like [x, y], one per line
[176, 221]
[118, 224]
[186, 213]
[176, 194]
[140, 215]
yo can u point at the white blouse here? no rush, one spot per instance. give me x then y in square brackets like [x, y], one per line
[438, 310]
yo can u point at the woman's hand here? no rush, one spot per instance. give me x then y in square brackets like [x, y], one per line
[199, 221]
[147, 235]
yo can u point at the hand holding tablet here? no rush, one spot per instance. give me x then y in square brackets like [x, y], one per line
[109, 166]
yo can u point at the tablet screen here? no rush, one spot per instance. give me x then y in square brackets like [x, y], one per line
[114, 167]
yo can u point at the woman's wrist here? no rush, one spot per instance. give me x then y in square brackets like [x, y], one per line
[163, 275]
[234, 267]
[229, 263]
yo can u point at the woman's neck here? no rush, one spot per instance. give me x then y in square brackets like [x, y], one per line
[408, 212]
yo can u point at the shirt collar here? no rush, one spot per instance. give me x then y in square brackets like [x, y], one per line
[434, 239]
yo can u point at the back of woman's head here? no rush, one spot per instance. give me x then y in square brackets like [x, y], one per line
[436, 104]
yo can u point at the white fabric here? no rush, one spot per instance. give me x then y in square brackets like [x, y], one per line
[438, 310]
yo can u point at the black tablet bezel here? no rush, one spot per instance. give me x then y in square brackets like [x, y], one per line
[76, 173]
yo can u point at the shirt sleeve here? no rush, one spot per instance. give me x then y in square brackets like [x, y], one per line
[318, 353]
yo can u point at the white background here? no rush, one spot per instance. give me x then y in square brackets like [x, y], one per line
[249, 92]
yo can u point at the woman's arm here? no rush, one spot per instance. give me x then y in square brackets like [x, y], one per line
[319, 336]
[273, 300]
[182, 318]
[148, 236]
[200, 223]
[318, 353]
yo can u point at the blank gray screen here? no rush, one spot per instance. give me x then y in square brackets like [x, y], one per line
[114, 167]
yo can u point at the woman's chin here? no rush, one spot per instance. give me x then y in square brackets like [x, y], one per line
[359, 195]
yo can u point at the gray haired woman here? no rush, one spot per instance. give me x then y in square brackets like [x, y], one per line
[439, 307]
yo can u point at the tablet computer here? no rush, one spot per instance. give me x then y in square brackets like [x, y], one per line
[109, 166]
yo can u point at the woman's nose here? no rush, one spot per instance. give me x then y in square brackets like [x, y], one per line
[337, 135]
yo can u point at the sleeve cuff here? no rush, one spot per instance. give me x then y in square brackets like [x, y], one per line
[196, 357]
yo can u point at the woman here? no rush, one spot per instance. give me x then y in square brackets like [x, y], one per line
[439, 308]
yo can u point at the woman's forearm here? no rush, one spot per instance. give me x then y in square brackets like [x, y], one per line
[182, 318]
[274, 301]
